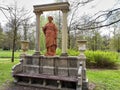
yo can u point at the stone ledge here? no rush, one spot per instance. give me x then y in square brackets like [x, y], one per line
[45, 76]
[52, 7]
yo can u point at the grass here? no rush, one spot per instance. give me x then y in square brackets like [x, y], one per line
[119, 56]
[5, 70]
[103, 79]
[8, 54]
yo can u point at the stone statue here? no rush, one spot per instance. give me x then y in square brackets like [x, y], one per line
[50, 30]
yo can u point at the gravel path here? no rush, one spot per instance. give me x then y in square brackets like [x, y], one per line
[18, 87]
[12, 86]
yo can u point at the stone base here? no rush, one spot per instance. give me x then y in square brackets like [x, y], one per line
[73, 72]
[85, 85]
[62, 72]
[56, 72]
[31, 69]
[37, 53]
[48, 70]
[64, 54]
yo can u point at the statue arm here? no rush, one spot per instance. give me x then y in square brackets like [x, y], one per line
[44, 29]
[56, 31]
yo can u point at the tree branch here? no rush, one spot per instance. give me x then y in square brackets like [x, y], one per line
[101, 26]
[92, 23]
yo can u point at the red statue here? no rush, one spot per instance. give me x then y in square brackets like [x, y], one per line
[50, 31]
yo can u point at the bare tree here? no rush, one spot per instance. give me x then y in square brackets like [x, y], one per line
[93, 19]
[16, 16]
[93, 22]
[75, 5]
[26, 25]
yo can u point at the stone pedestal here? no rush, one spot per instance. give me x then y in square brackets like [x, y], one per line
[48, 65]
[24, 46]
[82, 48]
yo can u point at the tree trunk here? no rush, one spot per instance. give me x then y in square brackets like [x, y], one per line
[14, 40]
[69, 38]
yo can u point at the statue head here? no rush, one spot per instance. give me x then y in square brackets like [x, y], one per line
[50, 18]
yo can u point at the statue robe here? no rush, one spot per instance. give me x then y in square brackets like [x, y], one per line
[50, 32]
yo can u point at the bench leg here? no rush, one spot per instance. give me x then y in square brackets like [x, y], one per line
[44, 82]
[79, 85]
[59, 85]
[30, 81]
[79, 88]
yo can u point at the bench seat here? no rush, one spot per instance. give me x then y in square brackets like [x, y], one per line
[44, 76]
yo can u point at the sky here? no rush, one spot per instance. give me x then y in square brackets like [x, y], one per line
[91, 8]
[28, 4]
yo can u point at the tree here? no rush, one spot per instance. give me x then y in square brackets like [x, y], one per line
[74, 7]
[93, 23]
[7, 40]
[115, 42]
[26, 25]
[1, 36]
[15, 18]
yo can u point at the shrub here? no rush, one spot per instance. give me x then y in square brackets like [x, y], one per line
[100, 59]
[95, 59]
[70, 52]
[73, 52]
[58, 51]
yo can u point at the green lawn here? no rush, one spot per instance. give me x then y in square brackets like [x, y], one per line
[8, 54]
[104, 79]
[119, 56]
[5, 70]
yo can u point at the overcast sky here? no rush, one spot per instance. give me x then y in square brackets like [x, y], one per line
[91, 8]
[28, 4]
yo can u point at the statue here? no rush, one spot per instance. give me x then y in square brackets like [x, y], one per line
[50, 30]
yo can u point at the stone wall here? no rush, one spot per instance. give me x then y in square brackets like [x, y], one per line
[61, 66]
